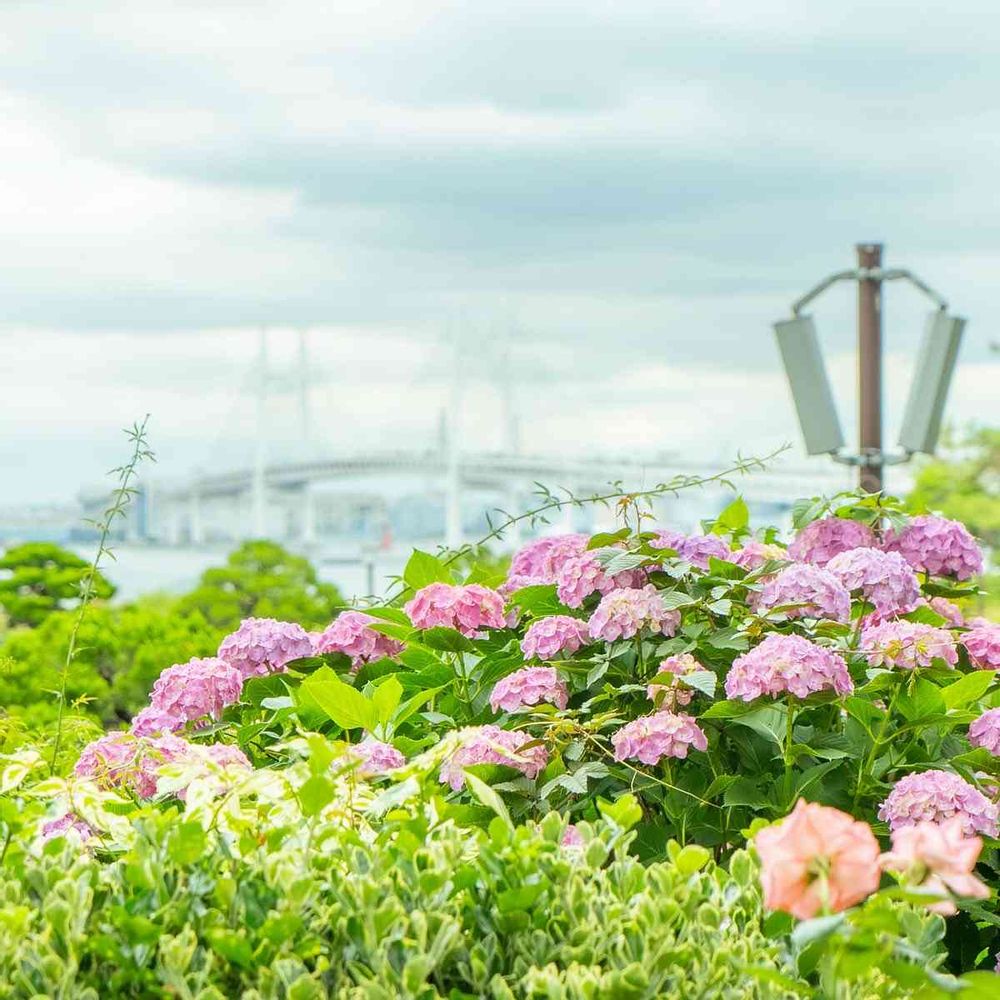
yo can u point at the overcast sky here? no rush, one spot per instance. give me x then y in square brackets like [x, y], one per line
[630, 192]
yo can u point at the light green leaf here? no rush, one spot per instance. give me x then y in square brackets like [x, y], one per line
[735, 517]
[967, 689]
[422, 569]
[386, 698]
[349, 708]
[488, 797]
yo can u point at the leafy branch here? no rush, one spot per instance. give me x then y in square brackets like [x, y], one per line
[121, 498]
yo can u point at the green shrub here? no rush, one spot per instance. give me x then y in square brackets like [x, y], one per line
[420, 913]
[38, 578]
[263, 580]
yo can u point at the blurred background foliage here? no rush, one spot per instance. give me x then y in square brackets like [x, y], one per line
[123, 647]
[966, 486]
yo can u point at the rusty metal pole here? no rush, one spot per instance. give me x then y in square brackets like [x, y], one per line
[870, 367]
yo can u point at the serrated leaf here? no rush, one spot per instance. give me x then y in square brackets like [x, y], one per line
[348, 707]
[422, 569]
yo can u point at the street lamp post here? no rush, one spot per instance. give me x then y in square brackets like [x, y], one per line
[807, 378]
[870, 365]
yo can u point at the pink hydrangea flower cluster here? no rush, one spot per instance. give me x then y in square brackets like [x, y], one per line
[936, 796]
[787, 664]
[625, 612]
[351, 633]
[816, 592]
[695, 549]
[650, 738]
[819, 541]
[123, 760]
[907, 645]
[529, 686]
[755, 553]
[198, 689]
[540, 560]
[951, 612]
[985, 731]
[571, 837]
[153, 721]
[262, 646]
[937, 546]
[884, 579]
[493, 745]
[982, 643]
[374, 757]
[674, 692]
[580, 576]
[547, 637]
[470, 609]
[226, 755]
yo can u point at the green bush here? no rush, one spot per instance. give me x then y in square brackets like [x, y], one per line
[422, 913]
[263, 580]
[122, 650]
[38, 578]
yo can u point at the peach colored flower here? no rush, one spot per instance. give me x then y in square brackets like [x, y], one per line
[938, 857]
[817, 859]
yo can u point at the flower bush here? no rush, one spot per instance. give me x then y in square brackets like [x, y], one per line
[833, 697]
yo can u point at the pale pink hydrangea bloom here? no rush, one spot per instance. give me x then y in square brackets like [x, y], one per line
[985, 731]
[153, 721]
[70, 826]
[351, 633]
[123, 760]
[695, 549]
[982, 643]
[470, 609]
[547, 637]
[580, 576]
[817, 859]
[755, 554]
[885, 579]
[226, 755]
[947, 610]
[529, 686]
[542, 558]
[262, 646]
[787, 664]
[572, 837]
[818, 593]
[198, 689]
[938, 857]
[674, 692]
[624, 613]
[493, 745]
[374, 757]
[650, 738]
[936, 796]
[907, 645]
[937, 546]
[819, 541]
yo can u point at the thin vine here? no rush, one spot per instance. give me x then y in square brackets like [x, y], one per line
[625, 501]
[121, 497]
